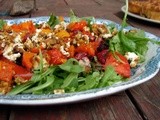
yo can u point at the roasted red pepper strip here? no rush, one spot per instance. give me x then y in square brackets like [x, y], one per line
[77, 25]
[56, 57]
[121, 64]
[18, 71]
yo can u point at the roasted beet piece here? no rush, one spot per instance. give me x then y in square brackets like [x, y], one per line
[101, 56]
[102, 46]
[79, 56]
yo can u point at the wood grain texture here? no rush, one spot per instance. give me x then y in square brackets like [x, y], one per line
[4, 112]
[147, 95]
[57, 7]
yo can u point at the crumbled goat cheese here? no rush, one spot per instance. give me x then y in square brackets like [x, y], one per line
[63, 51]
[8, 53]
[106, 36]
[92, 33]
[43, 45]
[3, 44]
[68, 44]
[1, 37]
[86, 28]
[133, 58]
[17, 39]
[50, 35]
[28, 43]
[19, 45]
[57, 26]
[45, 25]
[35, 37]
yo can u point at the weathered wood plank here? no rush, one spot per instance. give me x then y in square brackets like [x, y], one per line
[113, 107]
[147, 95]
[57, 7]
[88, 3]
[4, 112]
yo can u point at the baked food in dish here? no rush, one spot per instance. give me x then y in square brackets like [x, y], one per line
[135, 6]
[151, 10]
[146, 8]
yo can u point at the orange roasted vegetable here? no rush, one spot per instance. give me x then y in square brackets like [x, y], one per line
[27, 60]
[71, 51]
[27, 26]
[18, 71]
[63, 34]
[75, 26]
[89, 48]
[6, 71]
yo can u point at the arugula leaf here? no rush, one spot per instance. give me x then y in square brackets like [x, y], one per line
[73, 17]
[53, 21]
[91, 81]
[128, 44]
[141, 42]
[72, 65]
[20, 88]
[49, 81]
[57, 82]
[110, 27]
[110, 77]
[130, 41]
[115, 44]
[71, 77]
[2, 23]
[37, 78]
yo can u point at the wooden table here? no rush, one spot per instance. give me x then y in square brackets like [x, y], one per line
[138, 103]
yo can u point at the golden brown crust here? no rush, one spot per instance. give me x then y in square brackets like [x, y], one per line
[151, 10]
[147, 8]
[135, 6]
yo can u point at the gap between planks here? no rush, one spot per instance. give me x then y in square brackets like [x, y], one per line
[137, 106]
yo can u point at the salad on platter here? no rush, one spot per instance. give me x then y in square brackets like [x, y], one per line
[57, 56]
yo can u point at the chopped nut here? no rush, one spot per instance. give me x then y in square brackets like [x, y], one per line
[59, 91]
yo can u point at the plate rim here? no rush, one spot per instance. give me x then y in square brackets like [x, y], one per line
[123, 8]
[77, 96]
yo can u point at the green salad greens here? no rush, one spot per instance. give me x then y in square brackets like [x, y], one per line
[72, 76]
